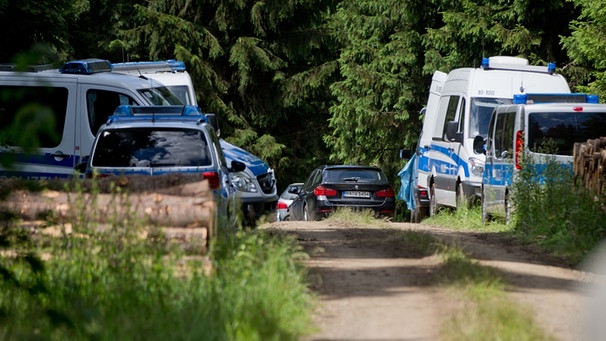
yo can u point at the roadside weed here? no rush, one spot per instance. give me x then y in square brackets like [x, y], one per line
[125, 280]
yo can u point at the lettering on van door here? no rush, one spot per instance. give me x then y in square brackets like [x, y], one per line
[486, 92]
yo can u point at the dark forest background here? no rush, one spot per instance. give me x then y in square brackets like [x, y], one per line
[306, 82]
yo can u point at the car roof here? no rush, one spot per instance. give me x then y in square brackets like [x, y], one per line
[328, 167]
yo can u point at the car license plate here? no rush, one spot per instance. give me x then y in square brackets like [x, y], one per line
[356, 194]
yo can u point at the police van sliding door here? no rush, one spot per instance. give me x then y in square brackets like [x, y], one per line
[36, 120]
[100, 103]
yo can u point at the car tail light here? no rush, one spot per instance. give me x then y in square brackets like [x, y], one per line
[423, 192]
[519, 148]
[385, 193]
[328, 192]
[281, 206]
[213, 179]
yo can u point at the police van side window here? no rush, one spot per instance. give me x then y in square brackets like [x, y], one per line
[451, 112]
[37, 107]
[503, 138]
[462, 116]
[101, 104]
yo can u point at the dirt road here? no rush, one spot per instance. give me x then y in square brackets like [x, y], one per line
[370, 287]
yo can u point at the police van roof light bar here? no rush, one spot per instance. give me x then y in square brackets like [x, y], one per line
[514, 64]
[86, 66]
[169, 65]
[554, 98]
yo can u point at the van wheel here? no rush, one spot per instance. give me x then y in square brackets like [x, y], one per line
[418, 214]
[433, 204]
[485, 215]
[462, 200]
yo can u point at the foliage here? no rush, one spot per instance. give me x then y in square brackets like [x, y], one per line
[585, 48]
[264, 68]
[379, 96]
[106, 282]
[473, 29]
[551, 211]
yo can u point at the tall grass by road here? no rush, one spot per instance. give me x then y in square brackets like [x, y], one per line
[551, 211]
[108, 283]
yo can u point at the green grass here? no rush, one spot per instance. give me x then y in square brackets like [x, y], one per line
[108, 283]
[465, 218]
[565, 219]
[347, 216]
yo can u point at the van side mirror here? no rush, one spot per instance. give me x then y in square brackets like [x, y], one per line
[237, 166]
[452, 134]
[405, 153]
[478, 145]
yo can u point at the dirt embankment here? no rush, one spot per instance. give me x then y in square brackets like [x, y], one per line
[370, 287]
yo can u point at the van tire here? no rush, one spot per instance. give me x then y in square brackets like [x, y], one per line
[433, 204]
[462, 200]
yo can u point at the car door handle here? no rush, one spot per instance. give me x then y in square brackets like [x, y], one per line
[60, 155]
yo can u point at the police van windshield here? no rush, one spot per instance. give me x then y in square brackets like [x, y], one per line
[160, 96]
[560, 130]
[480, 112]
[182, 92]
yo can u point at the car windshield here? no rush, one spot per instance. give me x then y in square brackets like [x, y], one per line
[480, 112]
[291, 192]
[353, 175]
[557, 132]
[160, 96]
[182, 92]
[151, 147]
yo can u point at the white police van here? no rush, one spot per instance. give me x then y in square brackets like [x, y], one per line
[460, 113]
[171, 73]
[69, 104]
[538, 127]
[156, 140]
[257, 186]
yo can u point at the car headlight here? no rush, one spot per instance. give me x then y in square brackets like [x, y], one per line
[243, 182]
[477, 166]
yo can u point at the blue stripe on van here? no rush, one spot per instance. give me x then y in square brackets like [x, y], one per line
[454, 157]
[26, 161]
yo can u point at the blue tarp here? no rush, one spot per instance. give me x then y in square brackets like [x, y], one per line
[408, 177]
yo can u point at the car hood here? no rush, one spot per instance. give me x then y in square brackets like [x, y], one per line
[252, 162]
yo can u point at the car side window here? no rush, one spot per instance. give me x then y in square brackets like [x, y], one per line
[309, 183]
[26, 103]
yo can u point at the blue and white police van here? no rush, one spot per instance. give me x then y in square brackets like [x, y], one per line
[534, 130]
[256, 184]
[59, 110]
[448, 170]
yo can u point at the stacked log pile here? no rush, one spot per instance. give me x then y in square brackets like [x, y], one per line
[174, 202]
[590, 165]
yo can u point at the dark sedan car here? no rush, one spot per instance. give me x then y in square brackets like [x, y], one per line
[355, 187]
